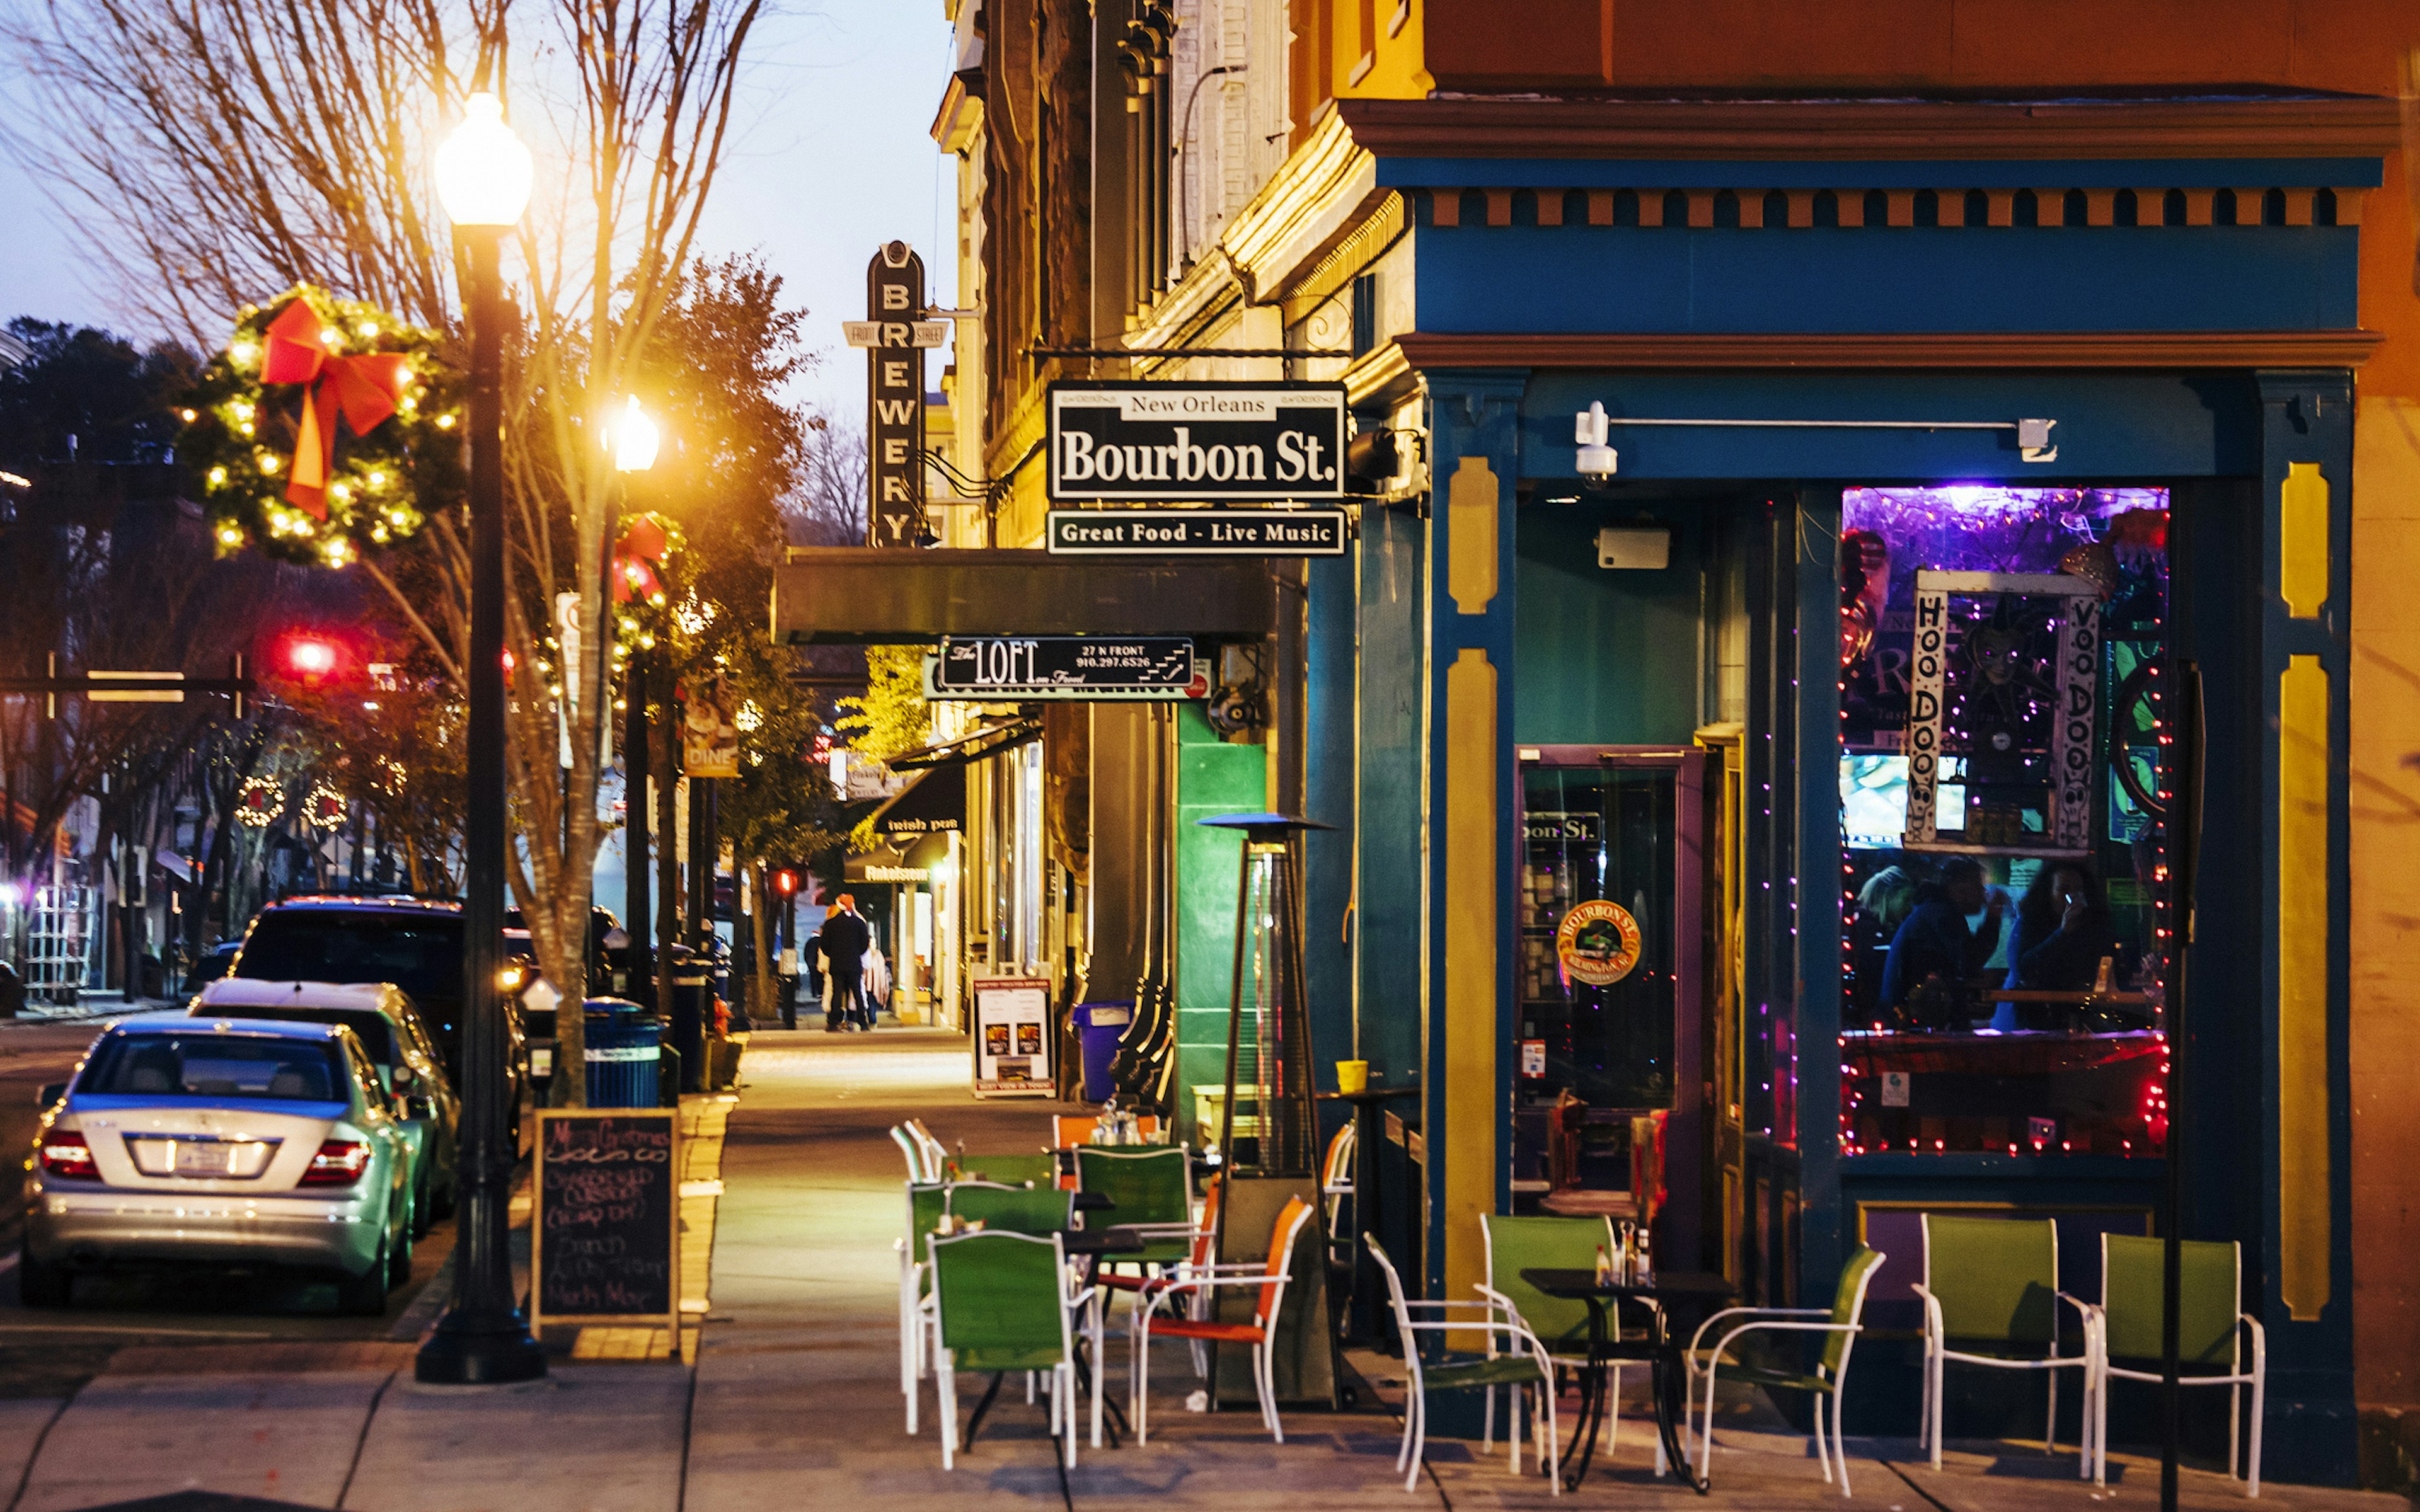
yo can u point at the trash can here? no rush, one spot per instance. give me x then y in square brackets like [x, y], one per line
[692, 1010]
[1099, 1026]
[623, 1043]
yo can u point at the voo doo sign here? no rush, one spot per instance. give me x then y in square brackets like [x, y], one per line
[1192, 443]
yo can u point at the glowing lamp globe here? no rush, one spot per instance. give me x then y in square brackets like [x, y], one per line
[483, 169]
[635, 438]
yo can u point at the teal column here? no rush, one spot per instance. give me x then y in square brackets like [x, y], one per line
[1811, 909]
[1475, 465]
[1328, 796]
[2305, 1300]
[1391, 560]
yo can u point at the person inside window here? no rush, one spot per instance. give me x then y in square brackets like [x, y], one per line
[1934, 943]
[2063, 930]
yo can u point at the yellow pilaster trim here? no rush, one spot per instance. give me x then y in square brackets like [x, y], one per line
[2304, 1219]
[1465, 1140]
[2302, 540]
[1470, 516]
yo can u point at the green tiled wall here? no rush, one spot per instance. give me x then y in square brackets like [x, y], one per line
[1212, 778]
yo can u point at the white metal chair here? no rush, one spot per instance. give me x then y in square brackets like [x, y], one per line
[1004, 1302]
[919, 1168]
[1335, 1186]
[1840, 1324]
[2211, 1332]
[1516, 1360]
[937, 1155]
[926, 1202]
[1993, 1283]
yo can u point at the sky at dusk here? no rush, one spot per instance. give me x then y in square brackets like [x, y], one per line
[830, 158]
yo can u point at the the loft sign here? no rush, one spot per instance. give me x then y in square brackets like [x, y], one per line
[1192, 442]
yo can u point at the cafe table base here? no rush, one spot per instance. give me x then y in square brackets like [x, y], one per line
[1668, 1377]
[1092, 1247]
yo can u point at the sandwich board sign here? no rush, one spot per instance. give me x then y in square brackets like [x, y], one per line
[1014, 1044]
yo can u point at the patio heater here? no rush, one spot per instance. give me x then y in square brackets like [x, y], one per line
[1268, 1021]
[1270, 1153]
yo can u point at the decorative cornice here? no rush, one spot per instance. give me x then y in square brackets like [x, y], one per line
[2149, 207]
[1380, 371]
[1985, 349]
[1321, 191]
[1187, 311]
[1872, 130]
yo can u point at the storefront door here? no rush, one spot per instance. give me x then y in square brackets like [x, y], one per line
[1609, 1071]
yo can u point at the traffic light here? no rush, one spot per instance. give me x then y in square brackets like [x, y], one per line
[785, 882]
[309, 657]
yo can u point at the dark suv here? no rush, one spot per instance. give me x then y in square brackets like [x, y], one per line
[415, 942]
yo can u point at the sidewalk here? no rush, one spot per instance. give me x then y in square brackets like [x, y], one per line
[790, 1393]
[94, 1004]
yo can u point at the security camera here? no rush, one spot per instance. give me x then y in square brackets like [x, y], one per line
[1596, 460]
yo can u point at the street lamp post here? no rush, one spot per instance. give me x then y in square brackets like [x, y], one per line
[483, 176]
[633, 438]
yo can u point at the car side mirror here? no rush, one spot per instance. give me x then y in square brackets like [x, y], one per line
[52, 1094]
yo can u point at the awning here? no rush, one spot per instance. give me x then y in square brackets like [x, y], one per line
[857, 594]
[989, 741]
[934, 803]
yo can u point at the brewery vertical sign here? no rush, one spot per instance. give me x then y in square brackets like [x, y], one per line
[895, 338]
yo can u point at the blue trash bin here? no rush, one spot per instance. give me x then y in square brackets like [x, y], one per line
[624, 1041]
[1099, 1026]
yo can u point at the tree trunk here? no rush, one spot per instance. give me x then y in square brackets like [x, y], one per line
[760, 992]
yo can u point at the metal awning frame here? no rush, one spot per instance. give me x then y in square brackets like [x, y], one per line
[979, 746]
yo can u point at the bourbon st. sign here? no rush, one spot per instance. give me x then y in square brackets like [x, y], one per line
[1197, 442]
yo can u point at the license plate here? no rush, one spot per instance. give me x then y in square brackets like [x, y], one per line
[204, 1158]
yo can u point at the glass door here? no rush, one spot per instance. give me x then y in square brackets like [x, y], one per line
[1611, 1066]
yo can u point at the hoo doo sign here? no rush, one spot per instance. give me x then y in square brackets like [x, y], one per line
[1197, 442]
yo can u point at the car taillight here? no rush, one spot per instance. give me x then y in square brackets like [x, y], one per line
[339, 1163]
[65, 1153]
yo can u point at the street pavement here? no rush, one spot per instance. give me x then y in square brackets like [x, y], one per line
[793, 1397]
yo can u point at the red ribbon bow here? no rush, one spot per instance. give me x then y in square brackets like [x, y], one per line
[363, 390]
[636, 557]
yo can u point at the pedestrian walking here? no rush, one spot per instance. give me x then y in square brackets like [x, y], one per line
[844, 942]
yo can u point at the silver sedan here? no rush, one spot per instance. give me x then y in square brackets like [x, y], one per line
[220, 1141]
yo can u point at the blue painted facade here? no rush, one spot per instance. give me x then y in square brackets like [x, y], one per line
[2221, 438]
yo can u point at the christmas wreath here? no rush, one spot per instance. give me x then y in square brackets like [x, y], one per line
[262, 426]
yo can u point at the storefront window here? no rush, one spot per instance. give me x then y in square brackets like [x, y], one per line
[1605, 989]
[2000, 781]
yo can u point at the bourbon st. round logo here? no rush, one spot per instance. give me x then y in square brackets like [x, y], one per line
[1597, 943]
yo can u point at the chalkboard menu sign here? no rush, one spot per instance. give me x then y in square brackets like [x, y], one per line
[606, 1224]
